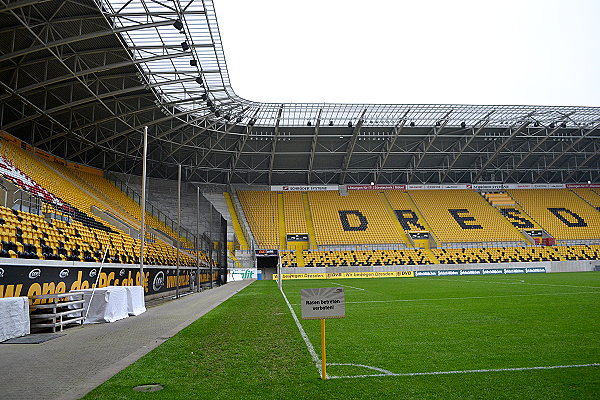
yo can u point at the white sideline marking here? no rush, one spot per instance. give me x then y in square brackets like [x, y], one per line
[468, 371]
[470, 297]
[351, 287]
[519, 282]
[384, 371]
[309, 345]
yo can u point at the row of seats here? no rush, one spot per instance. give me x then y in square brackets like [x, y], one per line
[495, 255]
[451, 216]
[441, 256]
[463, 216]
[30, 236]
[562, 213]
[260, 209]
[69, 196]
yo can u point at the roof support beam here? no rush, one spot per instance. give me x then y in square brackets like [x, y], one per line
[79, 38]
[48, 82]
[490, 159]
[482, 124]
[351, 144]
[436, 131]
[240, 147]
[8, 6]
[537, 145]
[313, 147]
[274, 144]
[382, 159]
[584, 134]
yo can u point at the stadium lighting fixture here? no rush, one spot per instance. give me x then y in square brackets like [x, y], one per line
[252, 122]
[463, 124]
[552, 125]
[308, 123]
[193, 62]
[185, 46]
[536, 124]
[199, 81]
[412, 124]
[178, 25]
[330, 123]
[349, 124]
[563, 125]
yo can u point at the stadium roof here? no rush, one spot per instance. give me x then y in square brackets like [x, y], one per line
[81, 79]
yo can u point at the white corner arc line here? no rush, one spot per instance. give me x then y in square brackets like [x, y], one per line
[309, 345]
[468, 371]
[348, 286]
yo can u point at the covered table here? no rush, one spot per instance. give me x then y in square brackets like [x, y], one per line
[135, 300]
[14, 317]
[109, 304]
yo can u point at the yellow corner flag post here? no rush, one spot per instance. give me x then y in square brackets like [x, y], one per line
[323, 352]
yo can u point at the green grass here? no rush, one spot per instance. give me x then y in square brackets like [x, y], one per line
[250, 348]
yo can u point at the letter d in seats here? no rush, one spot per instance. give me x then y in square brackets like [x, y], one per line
[353, 220]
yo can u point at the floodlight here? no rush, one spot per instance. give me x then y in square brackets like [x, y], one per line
[193, 63]
[463, 125]
[185, 46]
[178, 25]
[330, 123]
[536, 124]
[412, 124]
[349, 124]
[308, 123]
[252, 122]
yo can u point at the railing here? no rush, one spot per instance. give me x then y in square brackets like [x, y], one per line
[27, 201]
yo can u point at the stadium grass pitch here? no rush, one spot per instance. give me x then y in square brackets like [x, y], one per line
[250, 346]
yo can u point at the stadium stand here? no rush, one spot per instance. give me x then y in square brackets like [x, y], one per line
[469, 228]
[358, 218]
[295, 221]
[562, 213]
[590, 196]
[495, 255]
[462, 216]
[260, 209]
[64, 229]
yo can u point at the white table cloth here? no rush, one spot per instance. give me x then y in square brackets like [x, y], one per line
[135, 300]
[14, 317]
[109, 304]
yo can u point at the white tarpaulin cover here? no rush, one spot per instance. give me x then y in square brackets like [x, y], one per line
[109, 304]
[14, 317]
[135, 300]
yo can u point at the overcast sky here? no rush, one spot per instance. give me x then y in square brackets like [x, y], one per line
[542, 52]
